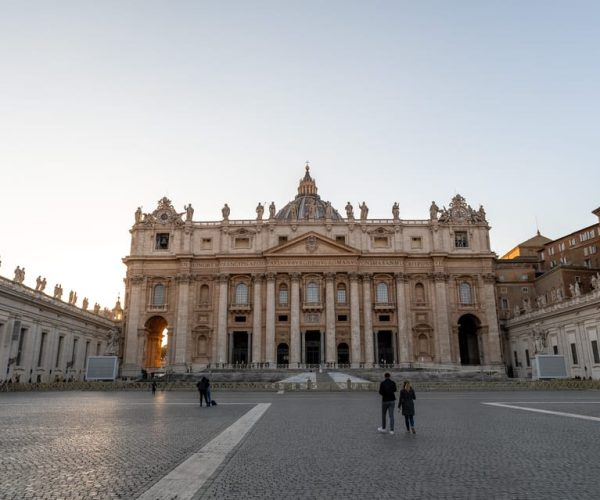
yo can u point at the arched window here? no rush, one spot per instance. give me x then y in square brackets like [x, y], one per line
[158, 295]
[204, 294]
[312, 293]
[420, 292]
[283, 294]
[241, 294]
[382, 293]
[341, 293]
[465, 293]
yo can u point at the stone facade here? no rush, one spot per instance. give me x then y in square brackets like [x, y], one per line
[43, 339]
[305, 286]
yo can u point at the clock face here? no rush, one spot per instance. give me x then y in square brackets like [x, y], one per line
[163, 217]
[460, 214]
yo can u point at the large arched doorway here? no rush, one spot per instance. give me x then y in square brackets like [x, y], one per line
[155, 352]
[312, 347]
[283, 354]
[468, 342]
[239, 353]
[343, 354]
[385, 347]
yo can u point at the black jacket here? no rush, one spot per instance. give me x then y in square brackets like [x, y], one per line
[387, 388]
[407, 402]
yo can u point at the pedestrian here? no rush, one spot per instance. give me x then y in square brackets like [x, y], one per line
[407, 404]
[153, 387]
[387, 388]
[202, 386]
[208, 396]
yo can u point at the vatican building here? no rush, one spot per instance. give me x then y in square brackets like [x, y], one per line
[309, 285]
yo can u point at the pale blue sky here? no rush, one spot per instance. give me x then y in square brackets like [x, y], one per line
[108, 105]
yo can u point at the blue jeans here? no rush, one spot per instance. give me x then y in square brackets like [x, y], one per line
[409, 419]
[387, 407]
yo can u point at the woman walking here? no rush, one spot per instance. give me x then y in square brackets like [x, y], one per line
[407, 404]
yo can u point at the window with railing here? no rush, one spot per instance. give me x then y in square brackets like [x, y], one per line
[312, 293]
[465, 295]
[158, 295]
[341, 293]
[283, 295]
[381, 294]
[241, 294]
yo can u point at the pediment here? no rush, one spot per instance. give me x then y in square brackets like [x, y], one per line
[312, 244]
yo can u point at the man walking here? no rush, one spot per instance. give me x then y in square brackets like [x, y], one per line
[387, 388]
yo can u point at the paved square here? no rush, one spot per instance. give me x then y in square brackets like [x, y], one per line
[302, 445]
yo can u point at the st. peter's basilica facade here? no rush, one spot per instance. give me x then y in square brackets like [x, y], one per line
[305, 286]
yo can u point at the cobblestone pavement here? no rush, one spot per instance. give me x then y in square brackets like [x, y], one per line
[306, 446]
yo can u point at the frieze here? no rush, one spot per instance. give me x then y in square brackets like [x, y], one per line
[313, 261]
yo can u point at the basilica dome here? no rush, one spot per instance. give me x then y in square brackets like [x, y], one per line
[308, 205]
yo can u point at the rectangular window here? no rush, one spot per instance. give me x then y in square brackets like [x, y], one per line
[381, 242]
[460, 239]
[574, 354]
[342, 317]
[555, 349]
[416, 242]
[516, 358]
[206, 243]
[282, 239]
[384, 317]
[21, 344]
[98, 346]
[282, 318]
[527, 360]
[525, 290]
[340, 239]
[43, 342]
[341, 295]
[61, 341]
[241, 243]
[504, 304]
[87, 352]
[162, 241]
[283, 296]
[240, 319]
[595, 351]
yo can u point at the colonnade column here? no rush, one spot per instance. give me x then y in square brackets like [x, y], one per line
[368, 312]
[493, 335]
[401, 307]
[181, 327]
[222, 320]
[330, 318]
[257, 319]
[354, 321]
[270, 321]
[442, 330]
[131, 367]
[295, 322]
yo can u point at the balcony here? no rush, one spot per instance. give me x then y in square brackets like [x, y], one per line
[312, 306]
[384, 307]
[156, 307]
[240, 308]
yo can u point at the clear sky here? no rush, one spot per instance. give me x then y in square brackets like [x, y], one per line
[105, 106]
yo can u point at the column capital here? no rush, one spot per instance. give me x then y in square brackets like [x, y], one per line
[270, 276]
[330, 276]
[223, 278]
[489, 278]
[366, 276]
[439, 277]
[183, 278]
[137, 280]
[353, 276]
[401, 277]
[257, 277]
[296, 276]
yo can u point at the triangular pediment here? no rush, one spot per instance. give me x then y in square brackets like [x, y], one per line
[312, 244]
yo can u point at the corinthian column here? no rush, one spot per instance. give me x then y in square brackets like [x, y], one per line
[181, 328]
[222, 320]
[401, 306]
[368, 315]
[330, 318]
[354, 321]
[493, 335]
[257, 319]
[295, 322]
[270, 321]
[137, 305]
[441, 318]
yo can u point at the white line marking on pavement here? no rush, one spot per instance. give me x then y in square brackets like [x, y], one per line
[188, 477]
[549, 412]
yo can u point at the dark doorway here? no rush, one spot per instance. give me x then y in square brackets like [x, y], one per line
[312, 347]
[385, 347]
[240, 348]
[343, 357]
[468, 343]
[283, 354]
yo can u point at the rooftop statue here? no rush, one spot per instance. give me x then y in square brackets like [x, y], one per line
[364, 211]
[396, 211]
[349, 211]
[225, 211]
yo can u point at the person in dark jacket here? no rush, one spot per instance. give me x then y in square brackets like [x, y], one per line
[203, 387]
[407, 404]
[387, 388]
